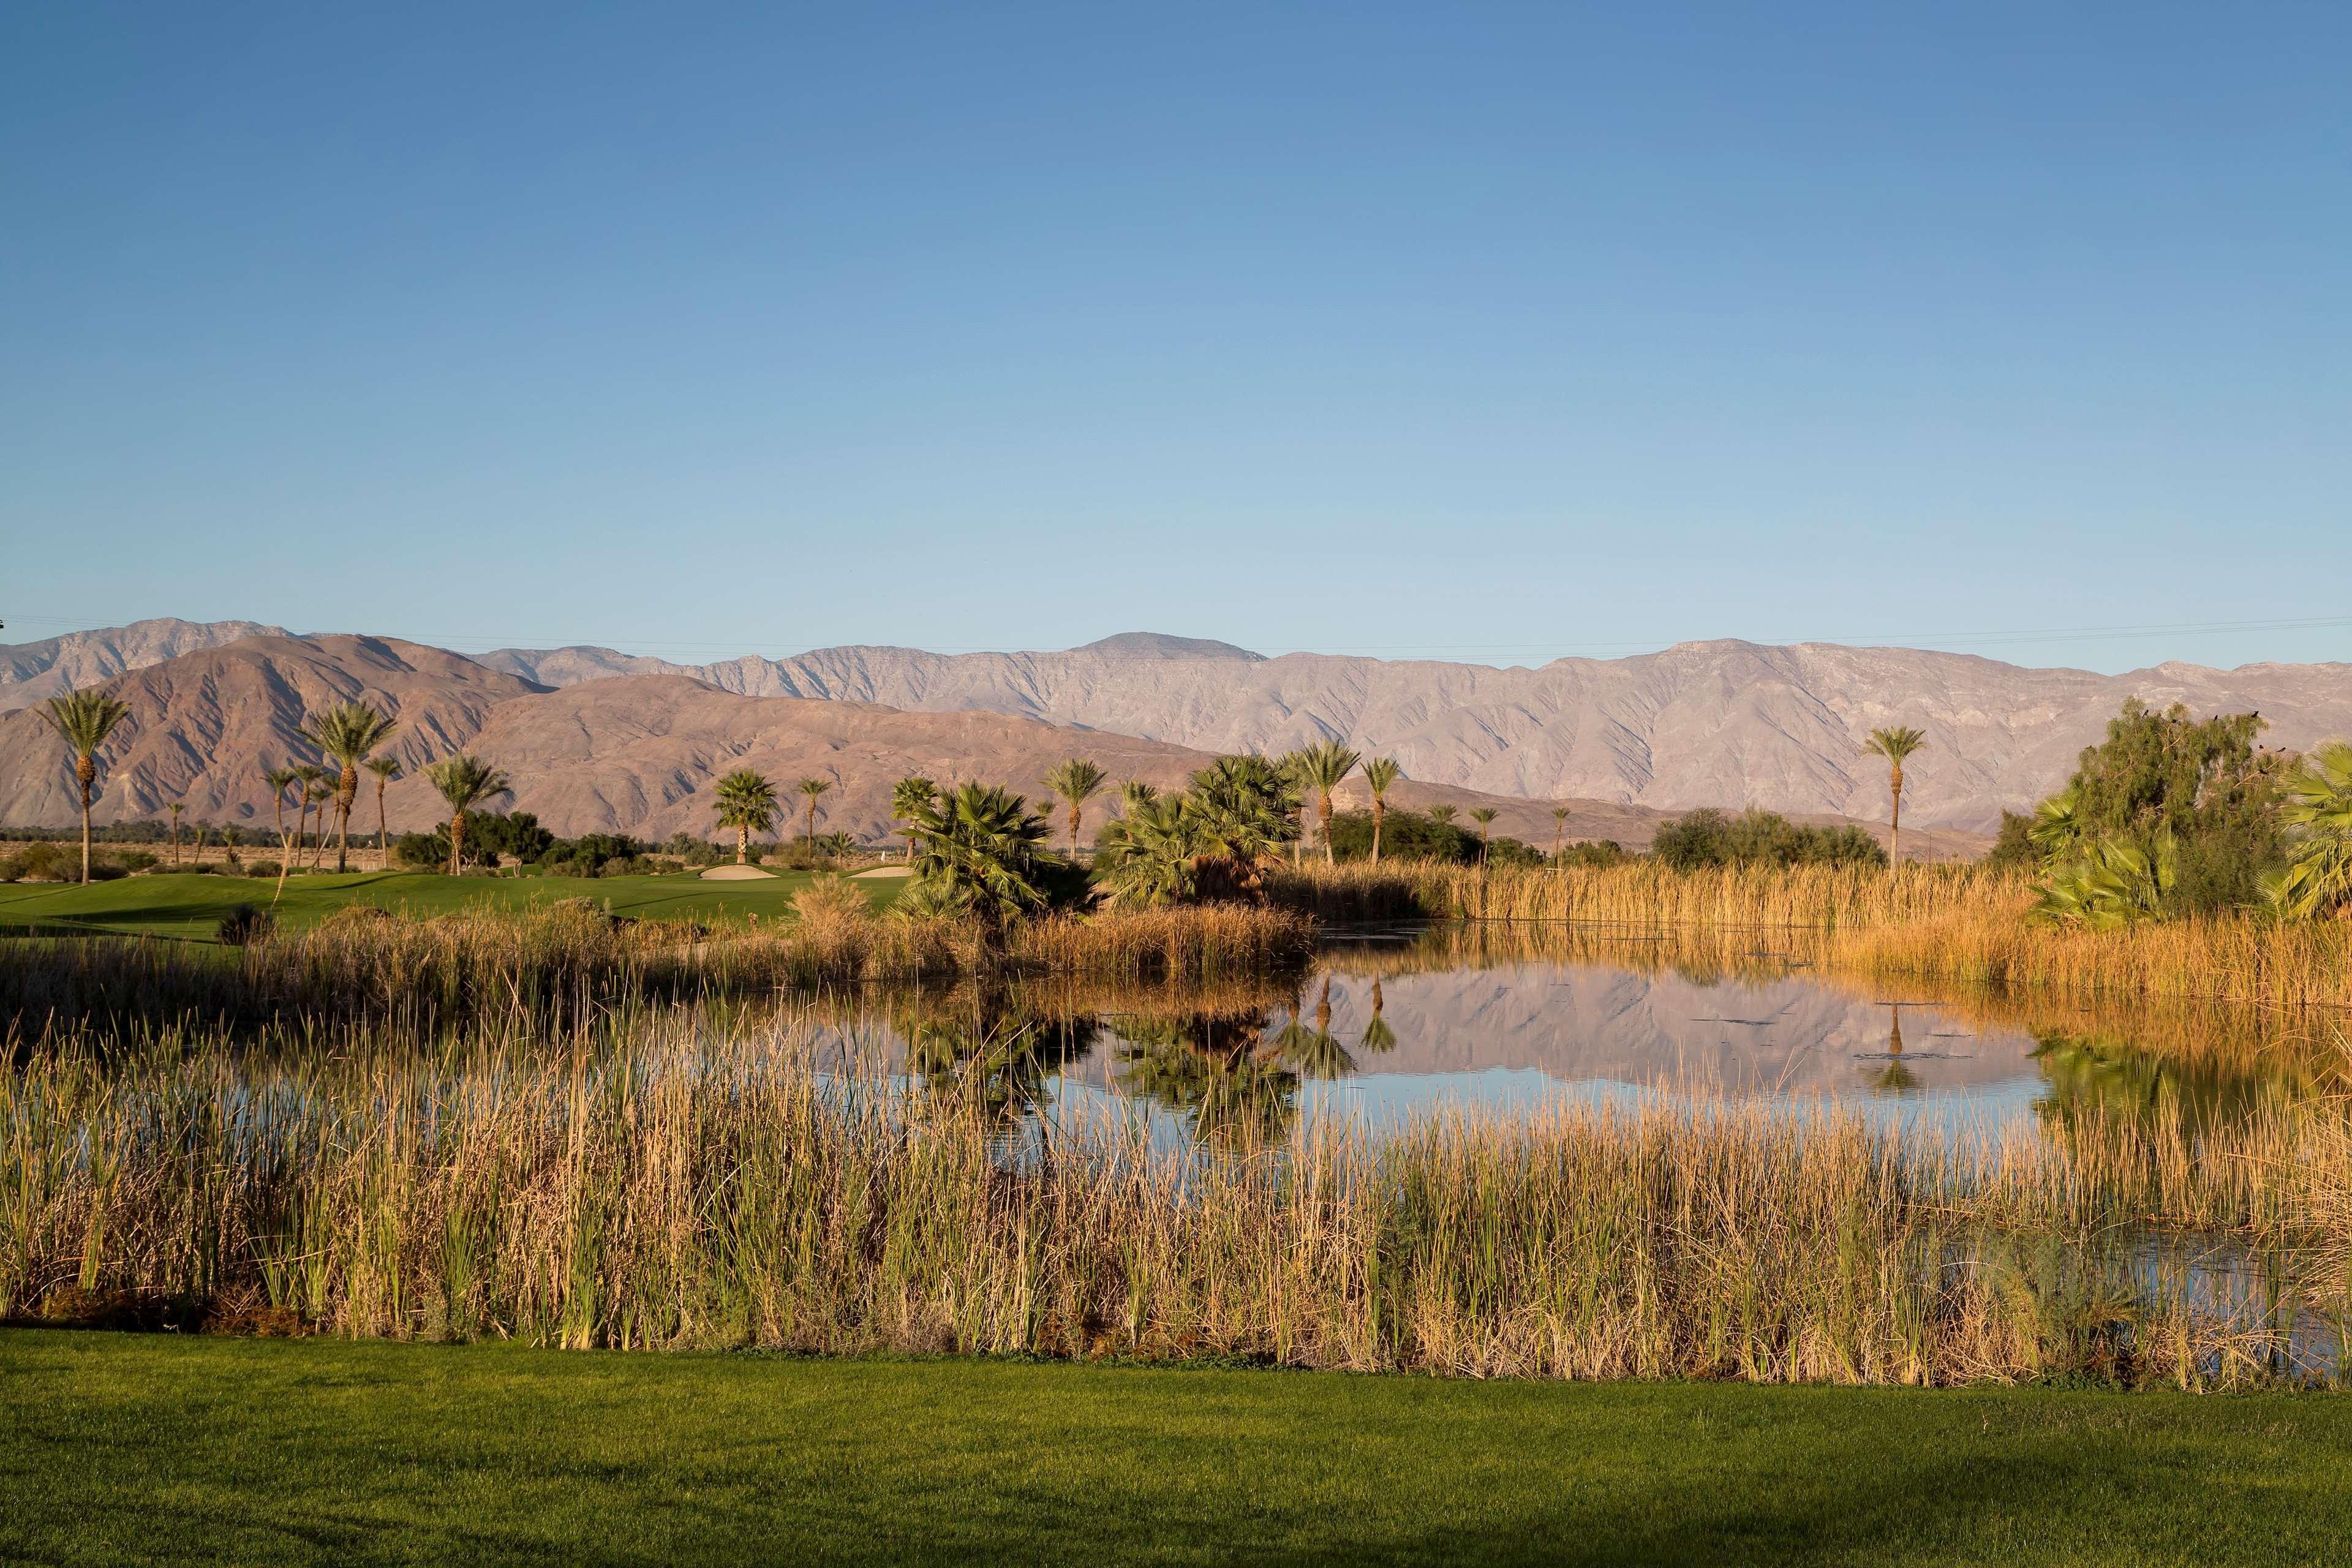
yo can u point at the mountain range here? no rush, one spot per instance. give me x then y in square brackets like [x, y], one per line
[1723, 723]
[626, 753]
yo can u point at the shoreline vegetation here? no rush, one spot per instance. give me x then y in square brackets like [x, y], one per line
[659, 1184]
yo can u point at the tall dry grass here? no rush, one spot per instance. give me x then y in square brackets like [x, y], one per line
[1953, 923]
[694, 1188]
[570, 963]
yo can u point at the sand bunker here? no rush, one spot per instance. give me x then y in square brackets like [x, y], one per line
[737, 874]
[880, 871]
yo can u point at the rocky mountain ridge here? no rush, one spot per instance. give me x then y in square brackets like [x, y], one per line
[1723, 723]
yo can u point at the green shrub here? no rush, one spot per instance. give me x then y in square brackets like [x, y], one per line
[1707, 838]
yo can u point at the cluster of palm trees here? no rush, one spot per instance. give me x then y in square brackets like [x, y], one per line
[747, 802]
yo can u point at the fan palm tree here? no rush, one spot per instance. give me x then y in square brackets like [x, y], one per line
[344, 735]
[1239, 812]
[1320, 769]
[175, 807]
[1558, 827]
[2318, 876]
[1442, 815]
[1077, 782]
[747, 802]
[386, 770]
[1379, 773]
[83, 720]
[1895, 745]
[978, 844]
[1147, 856]
[908, 796]
[1135, 793]
[464, 782]
[811, 789]
[1484, 817]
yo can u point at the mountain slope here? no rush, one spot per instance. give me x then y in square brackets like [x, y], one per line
[1714, 723]
[634, 754]
[204, 726]
[34, 671]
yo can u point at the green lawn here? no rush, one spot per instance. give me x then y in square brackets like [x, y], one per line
[121, 1448]
[185, 906]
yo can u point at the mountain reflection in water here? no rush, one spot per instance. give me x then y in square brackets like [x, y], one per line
[1412, 1020]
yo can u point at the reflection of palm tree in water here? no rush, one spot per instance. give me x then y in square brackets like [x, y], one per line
[1213, 1068]
[991, 1055]
[1378, 1034]
[1314, 1052]
[1898, 1077]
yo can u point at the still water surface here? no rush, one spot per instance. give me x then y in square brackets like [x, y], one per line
[1397, 1021]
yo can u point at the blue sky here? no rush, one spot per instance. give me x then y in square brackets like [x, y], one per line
[1496, 333]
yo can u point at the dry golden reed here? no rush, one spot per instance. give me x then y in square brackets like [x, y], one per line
[1956, 923]
[703, 1188]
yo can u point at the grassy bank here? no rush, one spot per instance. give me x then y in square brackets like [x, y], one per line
[152, 1449]
[570, 963]
[190, 907]
[689, 1187]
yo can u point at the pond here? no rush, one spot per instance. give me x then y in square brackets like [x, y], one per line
[1393, 1022]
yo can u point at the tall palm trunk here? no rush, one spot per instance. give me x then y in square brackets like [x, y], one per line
[1076, 809]
[742, 845]
[1323, 822]
[285, 846]
[1379, 814]
[383, 835]
[347, 794]
[85, 775]
[457, 844]
[1895, 848]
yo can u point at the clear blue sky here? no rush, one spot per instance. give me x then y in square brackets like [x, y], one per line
[1463, 331]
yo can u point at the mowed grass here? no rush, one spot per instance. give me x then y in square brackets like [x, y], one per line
[191, 907]
[153, 1449]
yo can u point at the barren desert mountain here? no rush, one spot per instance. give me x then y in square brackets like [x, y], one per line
[34, 670]
[633, 755]
[1713, 723]
[204, 726]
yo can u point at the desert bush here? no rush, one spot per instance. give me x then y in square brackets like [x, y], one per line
[245, 925]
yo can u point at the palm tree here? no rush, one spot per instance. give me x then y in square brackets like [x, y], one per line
[747, 802]
[1895, 744]
[83, 720]
[1135, 793]
[175, 807]
[345, 735]
[1559, 827]
[306, 779]
[465, 781]
[317, 791]
[1321, 768]
[1239, 812]
[386, 770]
[1147, 856]
[1484, 817]
[977, 848]
[908, 796]
[1381, 773]
[279, 780]
[2318, 876]
[812, 788]
[1077, 782]
[1442, 815]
